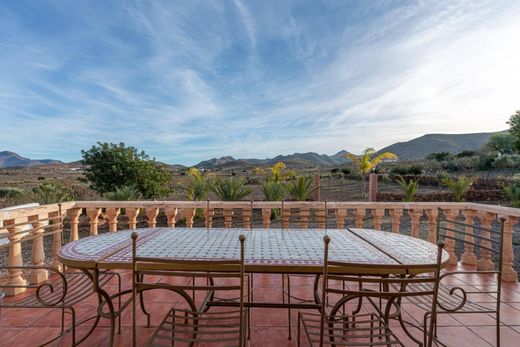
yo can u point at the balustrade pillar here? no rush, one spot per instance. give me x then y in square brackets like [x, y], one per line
[266, 218]
[74, 214]
[93, 215]
[132, 213]
[396, 215]
[321, 218]
[286, 215]
[341, 214]
[415, 221]
[37, 276]
[485, 263]
[57, 229]
[14, 259]
[305, 215]
[208, 218]
[451, 215]
[360, 217]
[190, 214]
[151, 214]
[246, 217]
[378, 217]
[112, 213]
[469, 257]
[228, 217]
[508, 273]
[432, 215]
[171, 214]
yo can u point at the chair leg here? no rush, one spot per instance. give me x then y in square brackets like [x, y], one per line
[289, 302]
[73, 322]
[62, 319]
[298, 331]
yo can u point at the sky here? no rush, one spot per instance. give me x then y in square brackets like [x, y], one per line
[191, 80]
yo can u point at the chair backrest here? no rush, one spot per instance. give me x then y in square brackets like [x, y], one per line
[206, 272]
[391, 287]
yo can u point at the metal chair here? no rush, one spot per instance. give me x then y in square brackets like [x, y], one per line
[330, 327]
[195, 324]
[454, 299]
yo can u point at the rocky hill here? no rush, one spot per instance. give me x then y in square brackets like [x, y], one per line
[11, 159]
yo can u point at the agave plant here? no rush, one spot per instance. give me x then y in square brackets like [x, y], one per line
[368, 161]
[49, 193]
[409, 188]
[300, 188]
[458, 186]
[198, 186]
[513, 194]
[230, 188]
[124, 193]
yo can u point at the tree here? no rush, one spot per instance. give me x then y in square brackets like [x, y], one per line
[50, 193]
[198, 186]
[514, 128]
[368, 161]
[409, 188]
[458, 187]
[230, 188]
[300, 188]
[109, 166]
[503, 143]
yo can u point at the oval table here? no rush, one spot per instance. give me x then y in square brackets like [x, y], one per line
[293, 251]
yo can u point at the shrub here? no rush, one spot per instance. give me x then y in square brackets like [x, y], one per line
[230, 188]
[301, 188]
[49, 193]
[512, 192]
[458, 186]
[400, 170]
[346, 171]
[124, 193]
[109, 165]
[439, 156]
[11, 193]
[198, 186]
[273, 190]
[409, 188]
[465, 154]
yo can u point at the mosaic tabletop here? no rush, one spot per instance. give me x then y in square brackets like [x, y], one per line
[266, 250]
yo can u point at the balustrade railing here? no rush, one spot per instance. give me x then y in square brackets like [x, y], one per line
[416, 219]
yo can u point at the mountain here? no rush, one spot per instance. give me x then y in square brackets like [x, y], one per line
[420, 147]
[11, 159]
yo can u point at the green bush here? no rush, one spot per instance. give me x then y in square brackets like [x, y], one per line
[109, 165]
[230, 188]
[273, 190]
[400, 170]
[439, 156]
[513, 194]
[198, 185]
[409, 188]
[458, 186]
[300, 188]
[11, 193]
[465, 154]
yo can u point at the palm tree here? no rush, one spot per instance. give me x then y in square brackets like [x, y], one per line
[368, 161]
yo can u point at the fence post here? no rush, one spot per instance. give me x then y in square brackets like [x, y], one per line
[372, 187]
[316, 195]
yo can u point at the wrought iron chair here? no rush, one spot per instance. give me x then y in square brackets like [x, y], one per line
[60, 290]
[454, 299]
[194, 324]
[330, 327]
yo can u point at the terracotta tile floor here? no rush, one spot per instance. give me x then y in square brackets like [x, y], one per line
[24, 327]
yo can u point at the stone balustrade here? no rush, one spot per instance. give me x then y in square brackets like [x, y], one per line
[415, 219]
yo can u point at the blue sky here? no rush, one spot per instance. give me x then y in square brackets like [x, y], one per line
[190, 80]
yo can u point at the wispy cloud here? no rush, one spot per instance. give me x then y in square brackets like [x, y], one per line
[189, 80]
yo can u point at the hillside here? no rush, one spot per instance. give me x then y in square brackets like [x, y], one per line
[11, 159]
[420, 147]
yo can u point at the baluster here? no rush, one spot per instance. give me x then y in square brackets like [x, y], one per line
[266, 218]
[171, 214]
[228, 217]
[432, 215]
[469, 257]
[190, 214]
[415, 221]
[112, 213]
[321, 218]
[93, 215]
[378, 217]
[74, 214]
[246, 217]
[508, 273]
[451, 215]
[14, 259]
[286, 215]
[485, 263]
[151, 214]
[304, 214]
[37, 276]
[396, 215]
[132, 213]
[341, 214]
[360, 217]
[57, 229]
[208, 218]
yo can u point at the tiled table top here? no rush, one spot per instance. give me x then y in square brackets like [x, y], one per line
[265, 249]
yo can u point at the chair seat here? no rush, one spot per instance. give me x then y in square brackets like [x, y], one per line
[220, 327]
[79, 287]
[358, 330]
[450, 299]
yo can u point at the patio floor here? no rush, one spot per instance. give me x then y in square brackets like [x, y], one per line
[25, 327]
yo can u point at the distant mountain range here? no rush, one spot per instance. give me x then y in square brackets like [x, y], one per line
[417, 148]
[11, 159]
